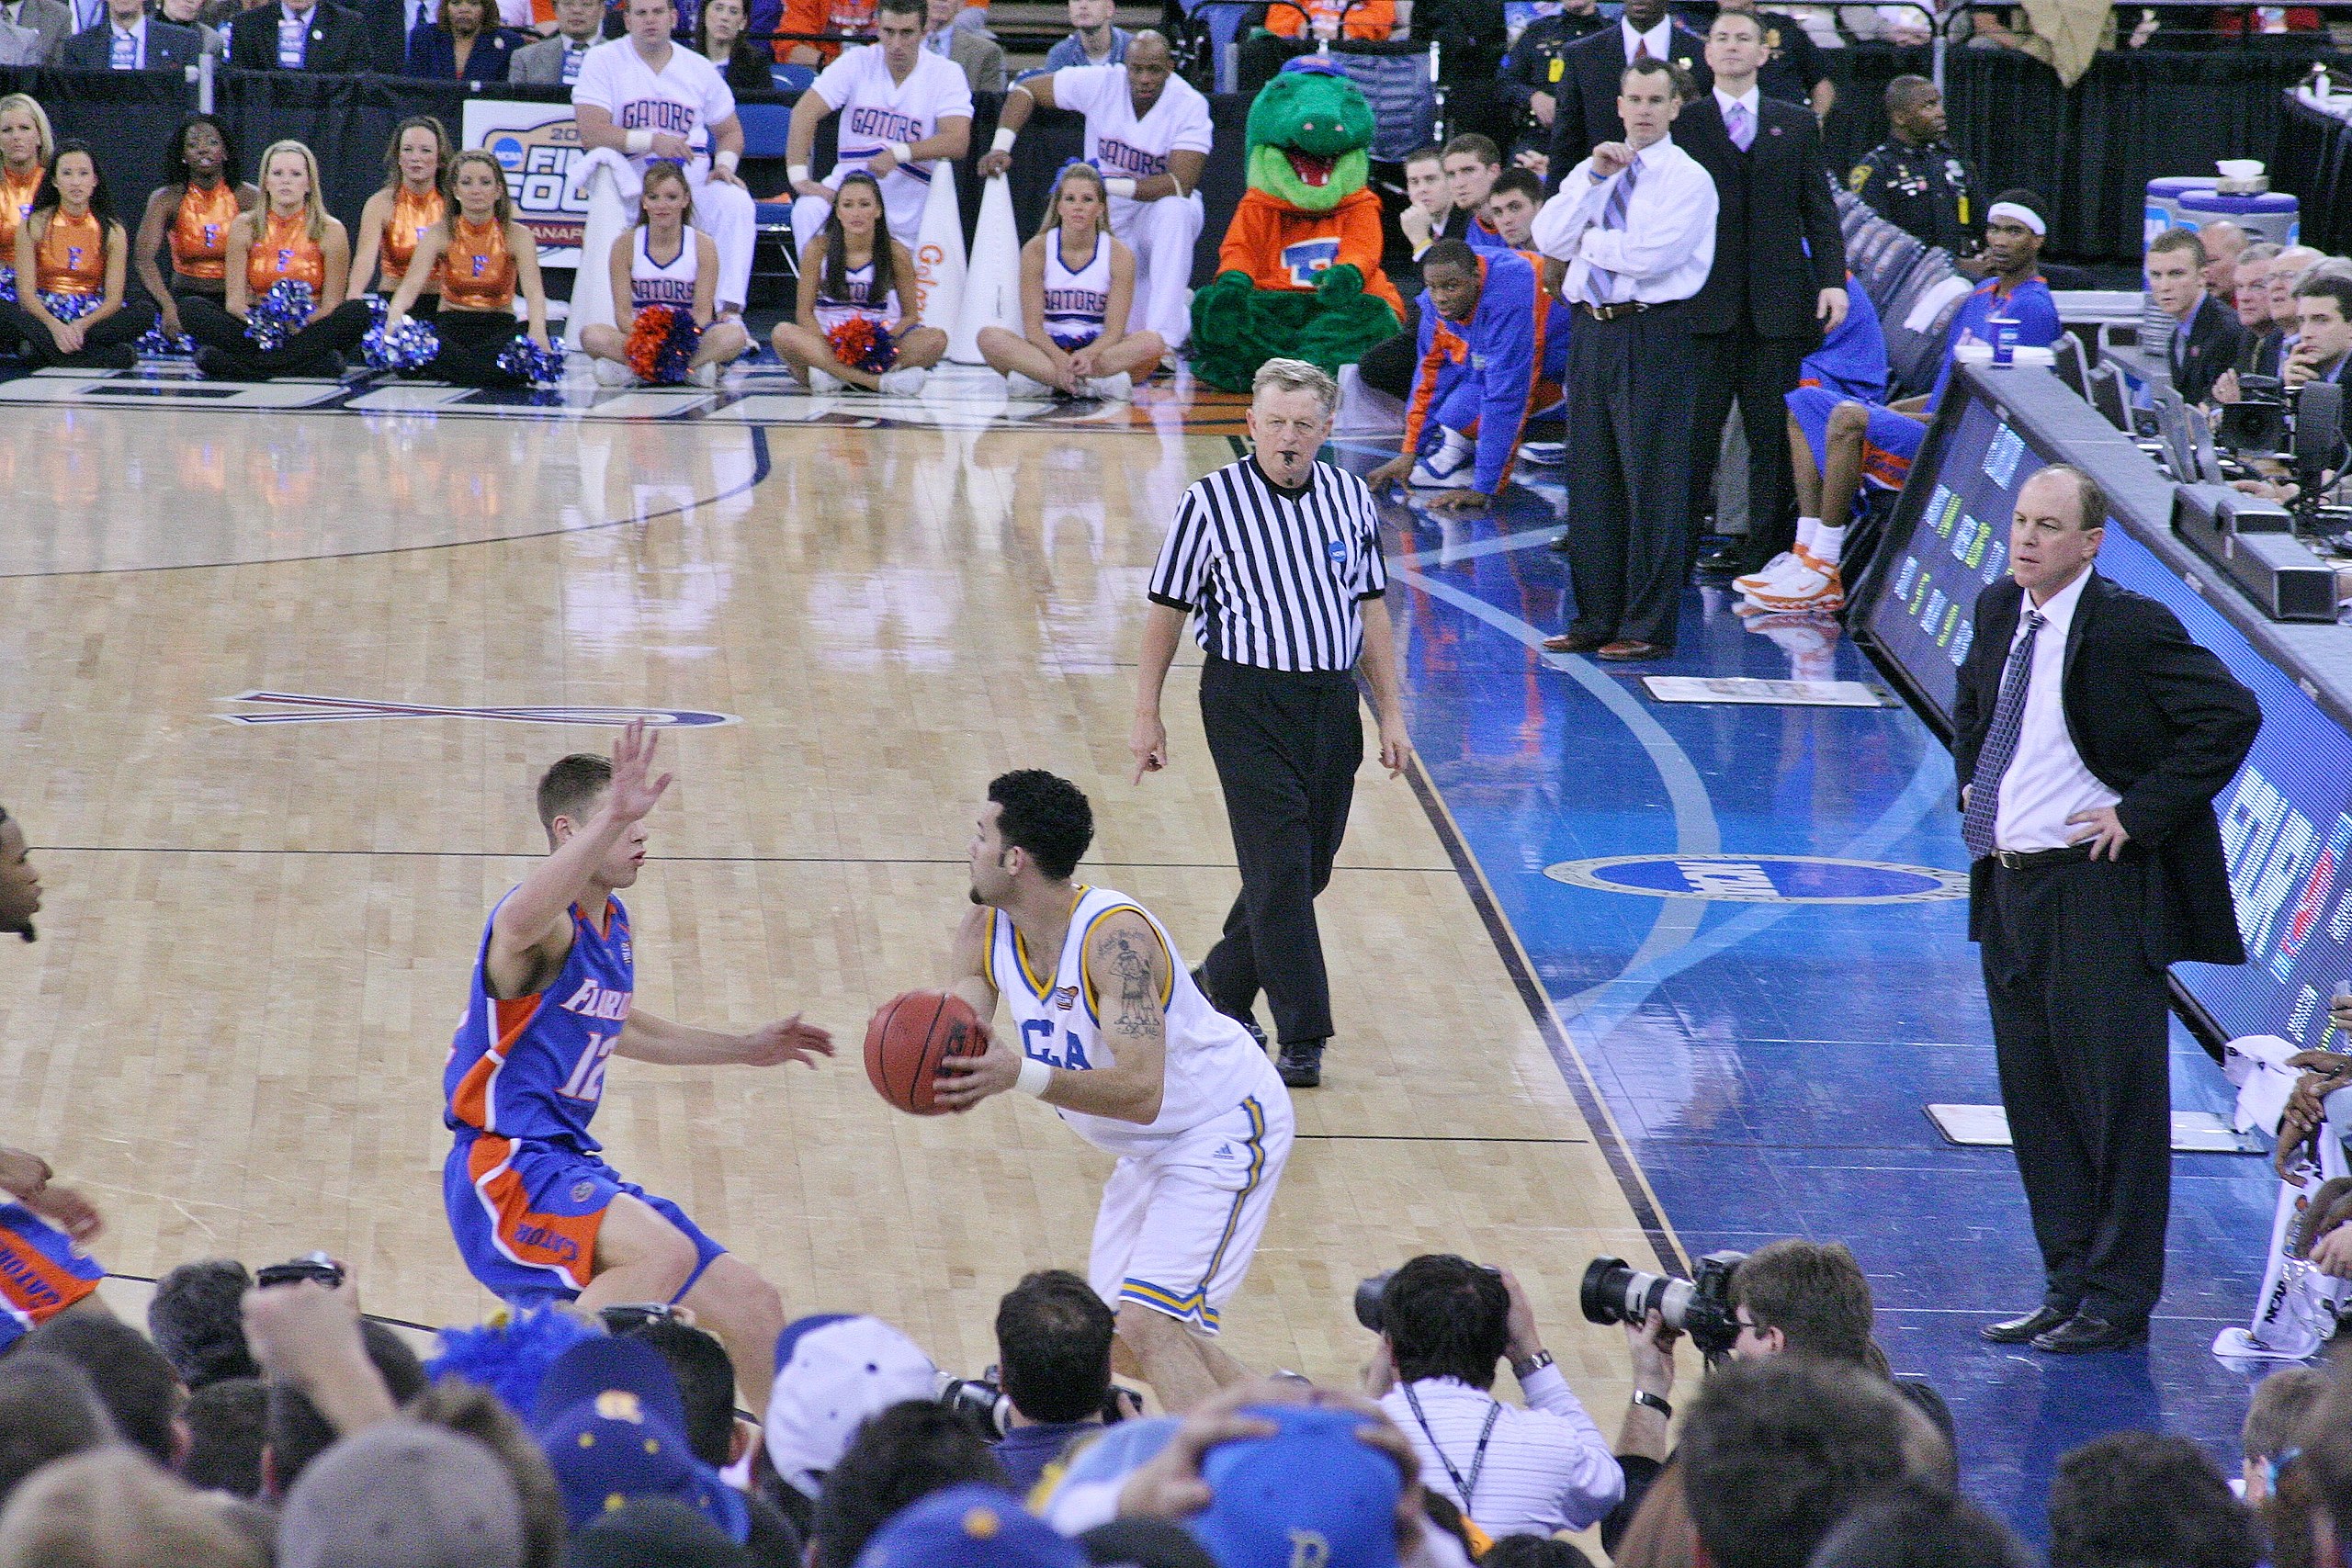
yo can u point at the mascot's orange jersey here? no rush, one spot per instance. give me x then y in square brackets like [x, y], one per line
[1281, 247]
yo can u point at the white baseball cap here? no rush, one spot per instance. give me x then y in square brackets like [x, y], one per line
[831, 1372]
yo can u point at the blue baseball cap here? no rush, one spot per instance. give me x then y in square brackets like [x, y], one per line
[609, 1416]
[1315, 1492]
[969, 1526]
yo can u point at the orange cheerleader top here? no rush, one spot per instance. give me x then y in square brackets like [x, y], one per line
[199, 234]
[16, 205]
[72, 255]
[411, 216]
[478, 270]
[284, 249]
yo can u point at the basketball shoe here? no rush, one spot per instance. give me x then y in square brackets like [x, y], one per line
[1817, 591]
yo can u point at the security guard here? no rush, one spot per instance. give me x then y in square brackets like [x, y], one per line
[1530, 72]
[1915, 179]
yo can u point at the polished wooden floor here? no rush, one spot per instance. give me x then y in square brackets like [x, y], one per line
[258, 935]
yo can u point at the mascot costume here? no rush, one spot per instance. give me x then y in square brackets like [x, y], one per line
[1299, 274]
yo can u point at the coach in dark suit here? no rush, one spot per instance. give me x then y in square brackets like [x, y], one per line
[131, 39]
[2092, 735]
[1779, 279]
[330, 39]
[1583, 106]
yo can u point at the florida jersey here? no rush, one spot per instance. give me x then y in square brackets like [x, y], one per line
[533, 1066]
[1211, 1064]
[1282, 248]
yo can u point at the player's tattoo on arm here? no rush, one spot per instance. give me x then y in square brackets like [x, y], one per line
[1136, 973]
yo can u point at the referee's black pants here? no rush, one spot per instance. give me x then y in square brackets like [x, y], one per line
[2081, 1035]
[1629, 474]
[1286, 748]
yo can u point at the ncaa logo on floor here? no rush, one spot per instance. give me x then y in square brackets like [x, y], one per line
[1763, 879]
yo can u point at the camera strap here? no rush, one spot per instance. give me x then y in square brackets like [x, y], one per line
[1477, 1459]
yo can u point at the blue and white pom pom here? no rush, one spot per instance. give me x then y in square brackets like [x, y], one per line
[410, 346]
[70, 306]
[528, 361]
[157, 344]
[9, 284]
[279, 314]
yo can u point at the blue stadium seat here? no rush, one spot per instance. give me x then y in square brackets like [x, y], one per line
[766, 129]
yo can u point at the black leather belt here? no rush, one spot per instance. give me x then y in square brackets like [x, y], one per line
[1611, 312]
[2029, 859]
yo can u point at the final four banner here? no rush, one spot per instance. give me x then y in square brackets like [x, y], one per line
[535, 144]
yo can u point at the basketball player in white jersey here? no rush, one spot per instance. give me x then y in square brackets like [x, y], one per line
[1076, 279]
[905, 116]
[1110, 1030]
[1147, 131]
[644, 97]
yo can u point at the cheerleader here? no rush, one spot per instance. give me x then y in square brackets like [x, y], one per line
[855, 269]
[410, 205]
[1076, 280]
[26, 147]
[72, 248]
[192, 215]
[288, 237]
[482, 258]
[687, 280]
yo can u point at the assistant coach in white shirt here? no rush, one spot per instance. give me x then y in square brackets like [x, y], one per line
[2091, 736]
[1531, 1470]
[1636, 223]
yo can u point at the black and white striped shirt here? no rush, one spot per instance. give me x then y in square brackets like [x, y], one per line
[1276, 576]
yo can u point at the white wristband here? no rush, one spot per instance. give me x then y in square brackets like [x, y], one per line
[1120, 185]
[1035, 1076]
[639, 143]
[902, 151]
[1002, 141]
[728, 160]
[795, 172]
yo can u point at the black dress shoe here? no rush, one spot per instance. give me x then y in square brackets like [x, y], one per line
[1574, 642]
[1243, 1018]
[2021, 1330]
[2083, 1334]
[1301, 1063]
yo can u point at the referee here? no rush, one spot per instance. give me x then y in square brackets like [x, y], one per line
[1279, 555]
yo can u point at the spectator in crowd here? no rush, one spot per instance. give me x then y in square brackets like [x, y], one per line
[1428, 201]
[973, 1524]
[902, 1454]
[290, 237]
[2206, 337]
[723, 36]
[2224, 241]
[25, 148]
[445, 1499]
[2285, 274]
[2258, 350]
[1323, 20]
[456, 1405]
[579, 27]
[1533, 1552]
[1793, 70]
[2279, 1422]
[1473, 163]
[74, 249]
[1053, 1345]
[297, 35]
[686, 281]
[1092, 40]
[482, 258]
[225, 1421]
[190, 14]
[2145, 1497]
[197, 1318]
[1511, 206]
[1445, 1322]
[1077, 291]
[129, 39]
[48, 1411]
[905, 116]
[1493, 348]
[24, 1174]
[113, 1506]
[969, 49]
[1917, 1524]
[610, 1421]
[1915, 180]
[304, 1418]
[1536, 61]
[51, 22]
[1585, 97]
[1777, 1452]
[832, 1373]
[856, 268]
[188, 218]
[1148, 132]
[706, 1380]
[838, 19]
[464, 41]
[410, 204]
[2323, 332]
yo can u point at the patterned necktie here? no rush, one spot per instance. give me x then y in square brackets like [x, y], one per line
[1642, 49]
[2000, 742]
[1741, 127]
[1613, 216]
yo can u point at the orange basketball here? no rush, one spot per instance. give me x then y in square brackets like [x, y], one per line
[906, 1039]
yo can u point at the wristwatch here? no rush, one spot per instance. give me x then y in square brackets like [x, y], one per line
[1644, 1397]
[1522, 1370]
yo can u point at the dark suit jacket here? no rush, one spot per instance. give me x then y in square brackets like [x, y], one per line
[1584, 108]
[2215, 335]
[2259, 353]
[2157, 719]
[433, 52]
[169, 47]
[1774, 205]
[336, 42]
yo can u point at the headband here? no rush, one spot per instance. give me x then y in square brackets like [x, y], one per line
[2023, 214]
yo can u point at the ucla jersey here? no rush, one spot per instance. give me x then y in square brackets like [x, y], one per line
[1212, 1065]
[533, 1068]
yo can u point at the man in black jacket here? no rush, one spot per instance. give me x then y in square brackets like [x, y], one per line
[283, 36]
[129, 39]
[1778, 280]
[1584, 112]
[2091, 736]
[2206, 337]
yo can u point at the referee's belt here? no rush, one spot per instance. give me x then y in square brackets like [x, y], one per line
[2034, 860]
[1628, 308]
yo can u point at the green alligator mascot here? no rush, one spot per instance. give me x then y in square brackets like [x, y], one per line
[1298, 275]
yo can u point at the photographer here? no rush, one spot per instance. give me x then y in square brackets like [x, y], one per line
[1444, 1324]
[1053, 1343]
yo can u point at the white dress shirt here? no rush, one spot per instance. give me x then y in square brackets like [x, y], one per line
[1667, 246]
[1660, 38]
[2047, 782]
[1546, 1467]
[1751, 99]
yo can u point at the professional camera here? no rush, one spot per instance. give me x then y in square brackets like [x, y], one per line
[309, 1266]
[2301, 427]
[980, 1400]
[1370, 1291]
[1699, 1306]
